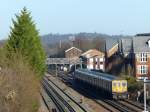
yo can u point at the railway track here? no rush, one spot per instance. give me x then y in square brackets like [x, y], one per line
[48, 101]
[110, 105]
[136, 104]
[132, 107]
[113, 105]
[120, 106]
[99, 102]
[63, 102]
[133, 103]
[61, 107]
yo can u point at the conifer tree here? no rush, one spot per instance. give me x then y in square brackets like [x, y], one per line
[24, 38]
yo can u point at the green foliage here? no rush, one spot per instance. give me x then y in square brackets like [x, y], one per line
[24, 38]
[130, 70]
[133, 85]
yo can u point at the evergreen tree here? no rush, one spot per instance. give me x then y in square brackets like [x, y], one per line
[24, 38]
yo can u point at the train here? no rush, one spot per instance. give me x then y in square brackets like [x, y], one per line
[110, 85]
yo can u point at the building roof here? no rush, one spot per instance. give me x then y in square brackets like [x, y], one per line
[140, 44]
[92, 53]
[73, 48]
[111, 46]
[143, 34]
[110, 43]
[126, 45]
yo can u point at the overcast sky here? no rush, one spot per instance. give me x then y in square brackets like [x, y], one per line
[72, 16]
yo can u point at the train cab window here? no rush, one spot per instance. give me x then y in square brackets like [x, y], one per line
[114, 84]
[124, 84]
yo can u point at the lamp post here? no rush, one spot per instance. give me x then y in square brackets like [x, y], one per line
[56, 70]
[145, 81]
[81, 63]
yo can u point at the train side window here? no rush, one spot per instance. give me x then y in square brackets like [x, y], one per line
[96, 81]
[107, 86]
[110, 87]
[124, 84]
[99, 82]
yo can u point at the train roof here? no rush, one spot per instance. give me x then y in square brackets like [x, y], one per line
[98, 74]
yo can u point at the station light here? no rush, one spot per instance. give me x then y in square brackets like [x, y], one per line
[146, 81]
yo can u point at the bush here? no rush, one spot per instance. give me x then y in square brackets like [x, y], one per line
[133, 85]
[19, 86]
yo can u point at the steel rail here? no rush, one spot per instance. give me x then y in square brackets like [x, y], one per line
[59, 104]
[67, 103]
[70, 97]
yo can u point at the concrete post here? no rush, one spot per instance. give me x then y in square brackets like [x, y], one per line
[81, 64]
[56, 70]
[145, 110]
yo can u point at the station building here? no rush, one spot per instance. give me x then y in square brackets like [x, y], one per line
[95, 59]
[73, 52]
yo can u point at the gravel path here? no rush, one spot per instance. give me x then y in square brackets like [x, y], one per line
[42, 108]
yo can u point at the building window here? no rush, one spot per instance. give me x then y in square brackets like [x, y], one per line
[96, 59]
[101, 59]
[143, 57]
[101, 63]
[91, 60]
[142, 69]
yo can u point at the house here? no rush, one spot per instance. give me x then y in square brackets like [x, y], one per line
[137, 50]
[73, 52]
[95, 59]
[141, 50]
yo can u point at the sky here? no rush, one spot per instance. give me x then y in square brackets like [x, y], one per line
[113, 17]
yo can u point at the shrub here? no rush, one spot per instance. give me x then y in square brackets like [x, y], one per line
[133, 84]
[19, 86]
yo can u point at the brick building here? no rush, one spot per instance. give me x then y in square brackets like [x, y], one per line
[73, 52]
[141, 50]
[137, 50]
